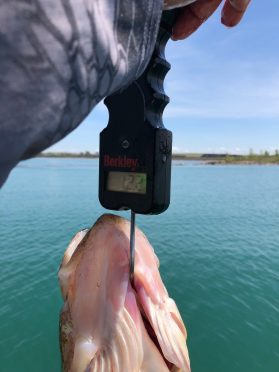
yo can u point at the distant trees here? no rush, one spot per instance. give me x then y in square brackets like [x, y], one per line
[264, 157]
[263, 153]
[85, 154]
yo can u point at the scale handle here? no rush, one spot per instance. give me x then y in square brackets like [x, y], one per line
[152, 80]
[135, 142]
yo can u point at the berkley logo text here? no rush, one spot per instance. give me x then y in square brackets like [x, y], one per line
[120, 162]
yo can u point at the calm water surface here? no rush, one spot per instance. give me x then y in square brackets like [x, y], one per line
[218, 245]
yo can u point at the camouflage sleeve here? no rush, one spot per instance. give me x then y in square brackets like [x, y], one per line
[58, 59]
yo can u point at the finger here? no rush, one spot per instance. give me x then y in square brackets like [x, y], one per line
[192, 16]
[233, 11]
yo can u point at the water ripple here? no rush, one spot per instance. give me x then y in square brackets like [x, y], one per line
[217, 243]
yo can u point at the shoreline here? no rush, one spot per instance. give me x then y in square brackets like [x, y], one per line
[241, 162]
[207, 159]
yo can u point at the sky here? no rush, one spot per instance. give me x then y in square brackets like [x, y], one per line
[223, 86]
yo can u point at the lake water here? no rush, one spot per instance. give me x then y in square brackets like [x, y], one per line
[218, 244]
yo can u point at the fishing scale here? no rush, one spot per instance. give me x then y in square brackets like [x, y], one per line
[135, 147]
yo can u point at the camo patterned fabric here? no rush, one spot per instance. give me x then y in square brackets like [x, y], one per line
[58, 59]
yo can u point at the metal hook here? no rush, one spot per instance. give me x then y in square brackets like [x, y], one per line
[132, 246]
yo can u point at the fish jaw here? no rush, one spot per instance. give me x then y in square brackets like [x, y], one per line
[160, 310]
[104, 319]
[65, 270]
[97, 277]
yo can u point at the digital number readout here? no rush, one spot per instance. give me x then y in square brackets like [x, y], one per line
[127, 182]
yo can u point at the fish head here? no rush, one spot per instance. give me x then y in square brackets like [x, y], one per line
[108, 323]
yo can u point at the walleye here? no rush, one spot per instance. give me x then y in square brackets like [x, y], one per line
[108, 325]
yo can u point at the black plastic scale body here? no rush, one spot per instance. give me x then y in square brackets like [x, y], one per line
[135, 147]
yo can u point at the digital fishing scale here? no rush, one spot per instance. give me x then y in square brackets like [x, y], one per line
[135, 147]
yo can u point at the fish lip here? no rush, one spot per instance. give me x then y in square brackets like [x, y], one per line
[149, 329]
[154, 338]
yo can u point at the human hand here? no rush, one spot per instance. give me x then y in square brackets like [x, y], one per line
[191, 17]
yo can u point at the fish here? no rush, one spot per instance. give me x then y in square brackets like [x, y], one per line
[107, 323]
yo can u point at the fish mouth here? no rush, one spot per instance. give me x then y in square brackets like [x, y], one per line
[107, 322]
[153, 337]
[154, 333]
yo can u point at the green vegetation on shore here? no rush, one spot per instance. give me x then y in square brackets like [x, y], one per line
[84, 155]
[252, 158]
[264, 158]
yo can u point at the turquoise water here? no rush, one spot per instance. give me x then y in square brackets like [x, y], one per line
[218, 244]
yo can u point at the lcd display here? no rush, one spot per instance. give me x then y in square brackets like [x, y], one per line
[127, 182]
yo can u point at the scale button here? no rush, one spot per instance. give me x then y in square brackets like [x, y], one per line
[165, 146]
[125, 144]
